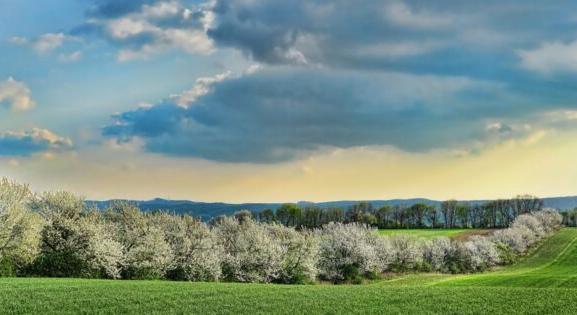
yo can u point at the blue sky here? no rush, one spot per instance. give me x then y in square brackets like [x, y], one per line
[240, 100]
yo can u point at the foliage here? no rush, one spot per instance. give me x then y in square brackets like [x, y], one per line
[55, 234]
[197, 254]
[347, 252]
[19, 228]
[250, 254]
[64, 243]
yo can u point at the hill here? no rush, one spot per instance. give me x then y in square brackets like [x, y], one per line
[207, 210]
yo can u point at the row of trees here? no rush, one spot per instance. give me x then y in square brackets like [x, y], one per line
[570, 217]
[449, 214]
[56, 235]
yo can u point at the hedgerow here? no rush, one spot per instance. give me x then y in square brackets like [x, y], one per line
[57, 235]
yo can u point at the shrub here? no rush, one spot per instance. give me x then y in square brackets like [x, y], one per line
[506, 255]
[481, 253]
[385, 252]
[550, 219]
[7, 267]
[347, 252]
[147, 255]
[408, 253]
[437, 252]
[250, 253]
[149, 258]
[104, 254]
[64, 243]
[197, 254]
[532, 223]
[518, 239]
[299, 252]
[19, 228]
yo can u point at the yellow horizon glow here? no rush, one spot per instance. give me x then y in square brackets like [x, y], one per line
[541, 165]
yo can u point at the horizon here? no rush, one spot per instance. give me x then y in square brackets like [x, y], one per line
[331, 201]
[260, 101]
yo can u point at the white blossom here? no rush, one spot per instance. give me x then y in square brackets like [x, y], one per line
[345, 248]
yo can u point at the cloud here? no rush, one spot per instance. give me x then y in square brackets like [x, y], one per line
[284, 114]
[71, 57]
[479, 40]
[15, 95]
[145, 28]
[402, 15]
[499, 128]
[26, 143]
[550, 58]
[366, 34]
[202, 87]
[43, 43]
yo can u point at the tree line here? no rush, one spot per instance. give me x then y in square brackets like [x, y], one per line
[449, 214]
[570, 217]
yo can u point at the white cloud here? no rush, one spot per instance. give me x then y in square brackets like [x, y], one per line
[499, 128]
[71, 57]
[202, 86]
[43, 43]
[48, 42]
[17, 40]
[37, 140]
[39, 135]
[549, 58]
[16, 95]
[186, 34]
[402, 15]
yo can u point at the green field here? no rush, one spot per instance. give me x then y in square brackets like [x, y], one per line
[544, 283]
[427, 233]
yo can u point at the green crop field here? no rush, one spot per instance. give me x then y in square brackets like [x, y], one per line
[428, 233]
[544, 283]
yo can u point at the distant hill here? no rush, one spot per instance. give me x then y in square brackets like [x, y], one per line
[207, 210]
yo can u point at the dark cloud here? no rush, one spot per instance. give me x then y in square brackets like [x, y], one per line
[416, 75]
[446, 37]
[114, 8]
[26, 143]
[283, 114]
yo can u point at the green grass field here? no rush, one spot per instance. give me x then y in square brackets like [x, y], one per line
[427, 233]
[544, 283]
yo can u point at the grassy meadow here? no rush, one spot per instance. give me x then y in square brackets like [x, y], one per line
[432, 233]
[543, 283]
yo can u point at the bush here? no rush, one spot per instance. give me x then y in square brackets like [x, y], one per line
[530, 222]
[385, 252]
[64, 242]
[197, 254]
[437, 252]
[250, 253]
[149, 258]
[481, 254]
[408, 253]
[347, 252]
[506, 255]
[550, 219]
[7, 267]
[104, 254]
[299, 252]
[19, 227]
[62, 264]
[518, 239]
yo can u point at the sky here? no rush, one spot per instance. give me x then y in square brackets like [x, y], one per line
[280, 101]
